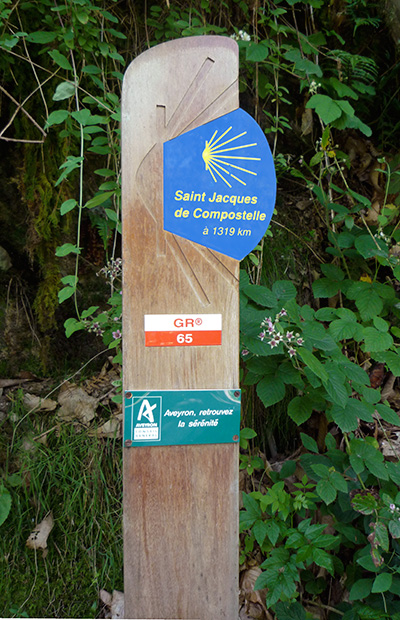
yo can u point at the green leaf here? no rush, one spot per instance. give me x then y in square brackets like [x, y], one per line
[325, 107]
[309, 443]
[390, 416]
[56, 117]
[370, 247]
[98, 200]
[345, 418]
[394, 529]
[290, 611]
[65, 90]
[41, 36]
[323, 559]
[271, 390]
[344, 329]
[65, 293]
[82, 116]
[260, 294]
[67, 206]
[326, 491]
[67, 248]
[300, 409]
[60, 60]
[392, 359]
[376, 340]
[323, 287]
[260, 529]
[313, 363]
[284, 290]
[257, 52]
[71, 325]
[360, 589]
[5, 504]
[382, 583]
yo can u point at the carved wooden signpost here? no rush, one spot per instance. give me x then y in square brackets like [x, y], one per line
[195, 201]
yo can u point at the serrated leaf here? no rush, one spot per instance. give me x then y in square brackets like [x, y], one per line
[390, 416]
[300, 409]
[271, 390]
[260, 294]
[284, 290]
[309, 443]
[326, 491]
[376, 340]
[344, 329]
[313, 363]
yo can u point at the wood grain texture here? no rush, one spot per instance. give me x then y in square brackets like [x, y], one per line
[180, 502]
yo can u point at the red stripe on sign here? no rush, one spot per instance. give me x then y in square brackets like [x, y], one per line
[182, 339]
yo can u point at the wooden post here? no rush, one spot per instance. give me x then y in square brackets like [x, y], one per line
[180, 502]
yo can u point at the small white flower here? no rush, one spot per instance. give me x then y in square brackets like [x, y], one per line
[273, 343]
[292, 352]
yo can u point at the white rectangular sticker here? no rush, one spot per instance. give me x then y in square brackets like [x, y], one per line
[180, 330]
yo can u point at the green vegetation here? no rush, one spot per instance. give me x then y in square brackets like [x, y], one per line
[320, 317]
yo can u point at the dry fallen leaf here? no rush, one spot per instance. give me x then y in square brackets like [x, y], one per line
[251, 596]
[37, 539]
[114, 602]
[76, 404]
[32, 402]
[392, 447]
[112, 428]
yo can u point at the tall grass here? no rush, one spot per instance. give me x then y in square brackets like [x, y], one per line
[79, 478]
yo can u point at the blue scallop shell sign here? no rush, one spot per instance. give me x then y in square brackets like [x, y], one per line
[220, 184]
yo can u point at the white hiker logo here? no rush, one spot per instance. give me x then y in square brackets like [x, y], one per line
[149, 411]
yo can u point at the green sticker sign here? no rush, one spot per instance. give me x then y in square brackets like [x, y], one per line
[181, 417]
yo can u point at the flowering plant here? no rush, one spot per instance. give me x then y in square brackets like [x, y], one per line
[278, 332]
